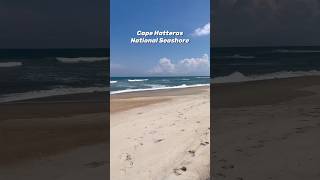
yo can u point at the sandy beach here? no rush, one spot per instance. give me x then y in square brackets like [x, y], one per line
[160, 135]
[54, 138]
[267, 129]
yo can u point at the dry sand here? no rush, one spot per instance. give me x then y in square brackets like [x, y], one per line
[267, 130]
[160, 135]
[54, 138]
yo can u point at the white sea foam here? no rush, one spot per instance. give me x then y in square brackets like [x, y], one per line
[155, 85]
[158, 88]
[137, 80]
[239, 77]
[81, 59]
[203, 77]
[113, 82]
[10, 64]
[47, 93]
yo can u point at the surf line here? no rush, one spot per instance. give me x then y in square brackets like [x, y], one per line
[159, 40]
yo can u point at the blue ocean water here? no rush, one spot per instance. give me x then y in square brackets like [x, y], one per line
[236, 64]
[26, 74]
[130, 84]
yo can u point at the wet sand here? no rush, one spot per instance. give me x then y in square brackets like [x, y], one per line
[266, 129]
[35, 131]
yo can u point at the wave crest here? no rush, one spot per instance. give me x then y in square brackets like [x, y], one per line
[158, 88]
[137, 80]
[10, 64]
[239, 77]
[81, 59]
[48, 93]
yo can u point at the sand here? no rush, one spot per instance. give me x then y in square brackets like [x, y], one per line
[54, 138]
[160, 135]
[84, 163]
[267, 130]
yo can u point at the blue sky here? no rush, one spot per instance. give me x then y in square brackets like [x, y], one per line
[189, 16]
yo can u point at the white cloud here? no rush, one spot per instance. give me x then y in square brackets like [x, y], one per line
[195, 63]
[202, 31]
[165, 66]
[188, 66]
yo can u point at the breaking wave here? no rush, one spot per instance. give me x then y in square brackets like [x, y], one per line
[239, 77]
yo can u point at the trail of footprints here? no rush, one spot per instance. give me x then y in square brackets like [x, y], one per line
[192, 154]
[308, 124]
[128, 160]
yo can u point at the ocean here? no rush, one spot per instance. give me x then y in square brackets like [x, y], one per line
[235, 64]
[242, 64]
[27, 74]
[133, 84]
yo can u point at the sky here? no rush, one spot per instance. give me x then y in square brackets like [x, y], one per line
[189, 16]
[266, 22]
[53, 24]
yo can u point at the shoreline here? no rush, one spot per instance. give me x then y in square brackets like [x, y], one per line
[126, 101]
[55, 106]
[254, 93]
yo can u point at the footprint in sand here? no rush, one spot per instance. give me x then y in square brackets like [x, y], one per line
[127, 159]
[158, 140]
[179, 171]
[204, 143]
[192, 153]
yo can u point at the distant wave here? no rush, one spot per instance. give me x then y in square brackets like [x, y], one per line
[10, 64]
[137, 80]
[237, 56]
[48, 93]
[158, 88]
[113, 82]
[203, 77]
[239, 77]
[296, 51]
[81, 59]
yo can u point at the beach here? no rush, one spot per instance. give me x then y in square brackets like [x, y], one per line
[57, 137]
[160, 134]
[266, 129]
